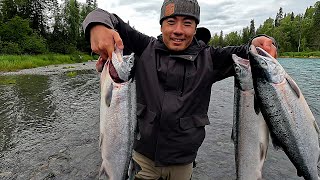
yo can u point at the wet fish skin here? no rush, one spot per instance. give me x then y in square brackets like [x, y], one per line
[250, 132]
[117, 124]
[291, 123]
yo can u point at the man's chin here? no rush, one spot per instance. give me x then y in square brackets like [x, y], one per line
[177, 48]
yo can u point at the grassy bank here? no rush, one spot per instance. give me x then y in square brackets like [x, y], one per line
[315, 54]
[17, 62]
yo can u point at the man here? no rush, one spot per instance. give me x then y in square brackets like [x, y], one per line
[174, 74]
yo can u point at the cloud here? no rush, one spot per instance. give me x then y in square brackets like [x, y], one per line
[216, 15]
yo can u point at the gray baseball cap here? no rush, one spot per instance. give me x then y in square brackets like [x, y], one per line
[180, 8]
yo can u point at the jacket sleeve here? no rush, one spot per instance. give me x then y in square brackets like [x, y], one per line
[222, 60]
[222, 57]
[132, 39]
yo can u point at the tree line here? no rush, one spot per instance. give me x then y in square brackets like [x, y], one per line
[43, 26]
[294, 33]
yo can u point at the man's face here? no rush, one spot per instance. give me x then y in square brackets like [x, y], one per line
[178, 32]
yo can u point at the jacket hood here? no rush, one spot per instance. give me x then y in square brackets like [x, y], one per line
[189, 54]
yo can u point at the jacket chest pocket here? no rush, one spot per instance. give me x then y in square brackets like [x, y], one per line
[190, 133]
[194, 121]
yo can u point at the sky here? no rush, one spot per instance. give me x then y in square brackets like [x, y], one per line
[216, 15]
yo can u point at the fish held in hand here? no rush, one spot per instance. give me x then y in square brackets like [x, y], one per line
[250, 133]
[292, 125]
[117, 117]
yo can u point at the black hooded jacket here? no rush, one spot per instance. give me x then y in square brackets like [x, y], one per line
[173, 90]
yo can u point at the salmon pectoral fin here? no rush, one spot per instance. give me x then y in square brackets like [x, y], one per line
[233, 138]
[275, 142]
[293, 85]
[318, 167]
[100, 140]
[256, 105]
[109, 95]
[316, 127]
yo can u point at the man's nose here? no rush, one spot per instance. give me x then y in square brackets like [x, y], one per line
[178, 29]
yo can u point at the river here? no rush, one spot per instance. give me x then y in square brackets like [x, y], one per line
[49, 123]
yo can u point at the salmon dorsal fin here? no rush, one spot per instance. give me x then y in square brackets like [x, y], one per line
[293, 86]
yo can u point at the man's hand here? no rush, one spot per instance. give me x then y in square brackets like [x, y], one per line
[103, 41]
[266, 44]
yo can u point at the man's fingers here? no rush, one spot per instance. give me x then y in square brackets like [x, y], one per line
[266, 44]
[273, 51]
[104, 40]
[270, 48]
[110, 50]
[118, 40]
[100, 63]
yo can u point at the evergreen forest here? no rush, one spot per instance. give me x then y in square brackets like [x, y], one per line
[54, 26]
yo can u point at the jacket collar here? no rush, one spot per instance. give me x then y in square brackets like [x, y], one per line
[189, 54]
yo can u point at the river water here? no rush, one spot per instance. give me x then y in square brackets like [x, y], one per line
[49, 124]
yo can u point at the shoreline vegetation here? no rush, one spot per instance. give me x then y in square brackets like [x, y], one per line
[313, 55]
[10, 63]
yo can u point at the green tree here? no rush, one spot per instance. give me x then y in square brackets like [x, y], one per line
[245, 35]
[232, 39]
[221, 42]
[252, 31]
[15, 30]
[17, 34]
[85, 9]
[8, 9]
[316, 27]
[279, 17]
[73, 21]
[214, 41]
[267, 27]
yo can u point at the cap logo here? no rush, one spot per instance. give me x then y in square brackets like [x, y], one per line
[169, 9]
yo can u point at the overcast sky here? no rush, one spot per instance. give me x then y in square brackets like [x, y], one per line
[216, 15]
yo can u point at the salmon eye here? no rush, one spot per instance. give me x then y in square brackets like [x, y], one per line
[263, 63]
[237, 69]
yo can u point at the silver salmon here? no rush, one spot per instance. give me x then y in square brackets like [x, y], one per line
[117, 118]
[292, 125]
[250, 133]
